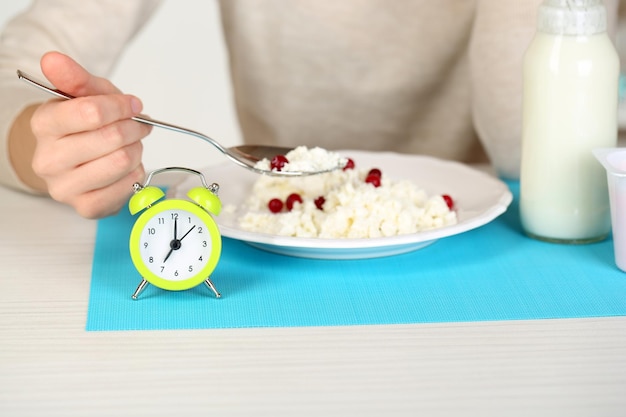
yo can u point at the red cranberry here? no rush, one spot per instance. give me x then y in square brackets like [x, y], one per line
[375, 171]
[275, 205]
[319, 202]
[448, 200]
[373, 179]
[278, 162]
[292, 199]
[349, 164]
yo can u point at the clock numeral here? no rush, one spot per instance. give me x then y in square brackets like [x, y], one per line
[151, 231]
[190, 268]
[151, 260]
[176, 273]
[145, 245]
[174, 216]
[200, 258]
[162, 268]
[199, 229]
[161, 220]
[204, 243]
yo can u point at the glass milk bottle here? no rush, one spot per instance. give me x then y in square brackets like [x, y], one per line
[570, 95]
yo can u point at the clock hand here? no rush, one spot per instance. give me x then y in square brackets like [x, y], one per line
[188, 231]
[175, 244]
[172, 244]
[169, 253]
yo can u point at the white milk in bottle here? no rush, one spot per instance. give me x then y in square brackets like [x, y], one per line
[570, 96]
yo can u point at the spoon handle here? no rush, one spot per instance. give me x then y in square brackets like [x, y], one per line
[141, 119]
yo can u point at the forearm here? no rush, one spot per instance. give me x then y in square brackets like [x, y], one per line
[94, 33]
[21, 147]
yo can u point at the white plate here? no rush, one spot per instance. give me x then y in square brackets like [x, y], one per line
[479, 198]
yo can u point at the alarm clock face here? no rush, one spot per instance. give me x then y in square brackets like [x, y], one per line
[175, 244]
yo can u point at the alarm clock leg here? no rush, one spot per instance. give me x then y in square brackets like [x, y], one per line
[140, 288]
[212, 287]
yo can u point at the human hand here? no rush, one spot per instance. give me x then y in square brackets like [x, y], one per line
[88, 150]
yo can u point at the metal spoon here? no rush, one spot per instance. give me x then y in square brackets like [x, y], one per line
[244, 155]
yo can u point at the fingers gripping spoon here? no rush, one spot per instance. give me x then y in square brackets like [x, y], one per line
[246, 156]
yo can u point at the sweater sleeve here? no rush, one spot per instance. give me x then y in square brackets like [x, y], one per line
[502, 31]
[92, 32]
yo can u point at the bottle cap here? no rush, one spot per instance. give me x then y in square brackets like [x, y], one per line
[572, 17]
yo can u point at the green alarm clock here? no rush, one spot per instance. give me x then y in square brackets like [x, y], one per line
[175, 244]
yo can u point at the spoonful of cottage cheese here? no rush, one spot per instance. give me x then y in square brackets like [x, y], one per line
[303, 159]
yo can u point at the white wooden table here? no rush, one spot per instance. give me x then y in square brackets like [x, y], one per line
[50, 366]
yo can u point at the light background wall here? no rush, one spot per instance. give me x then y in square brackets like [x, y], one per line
[178, 66]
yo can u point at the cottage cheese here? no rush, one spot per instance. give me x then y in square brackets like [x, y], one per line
[352, 208]
[303, 159]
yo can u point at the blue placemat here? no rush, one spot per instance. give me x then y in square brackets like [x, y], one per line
[491, 273]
